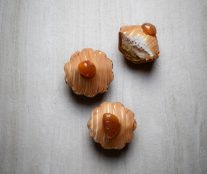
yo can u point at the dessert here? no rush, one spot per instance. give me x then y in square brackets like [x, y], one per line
[112, 125]
[138, 43]
[88, 72]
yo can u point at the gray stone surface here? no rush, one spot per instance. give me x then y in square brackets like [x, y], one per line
[43, 125]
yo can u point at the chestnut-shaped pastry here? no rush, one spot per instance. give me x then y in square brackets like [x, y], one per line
[88, 72]
[138, 43]
[112, 125]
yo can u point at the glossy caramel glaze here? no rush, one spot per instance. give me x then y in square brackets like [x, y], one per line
[87, 69]
[111, 125]
[89, 86]
[149, 29]
[127, 125]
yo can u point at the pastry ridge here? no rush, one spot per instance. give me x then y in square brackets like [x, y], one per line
[126, 118]
[89, 87]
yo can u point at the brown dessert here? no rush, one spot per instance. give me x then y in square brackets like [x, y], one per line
[88, 72]
[138, 43]
[112, 125]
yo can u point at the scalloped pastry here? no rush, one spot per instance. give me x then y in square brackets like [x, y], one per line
[138, 43]
[88, 72]
[112, 125]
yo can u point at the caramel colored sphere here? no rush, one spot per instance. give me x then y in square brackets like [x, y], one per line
[149, 29]
[87, 69]
[111, 125]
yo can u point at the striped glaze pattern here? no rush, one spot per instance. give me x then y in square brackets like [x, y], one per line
[126, 119]
[89, 87]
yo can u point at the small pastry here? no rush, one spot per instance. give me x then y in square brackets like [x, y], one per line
[138, 43]
[88, 72]
[112, 125]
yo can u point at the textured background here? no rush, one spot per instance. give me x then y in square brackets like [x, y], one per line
[43, 125]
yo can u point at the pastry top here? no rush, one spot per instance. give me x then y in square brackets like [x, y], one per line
[139, 42]
[90, 61]
[125, 130]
